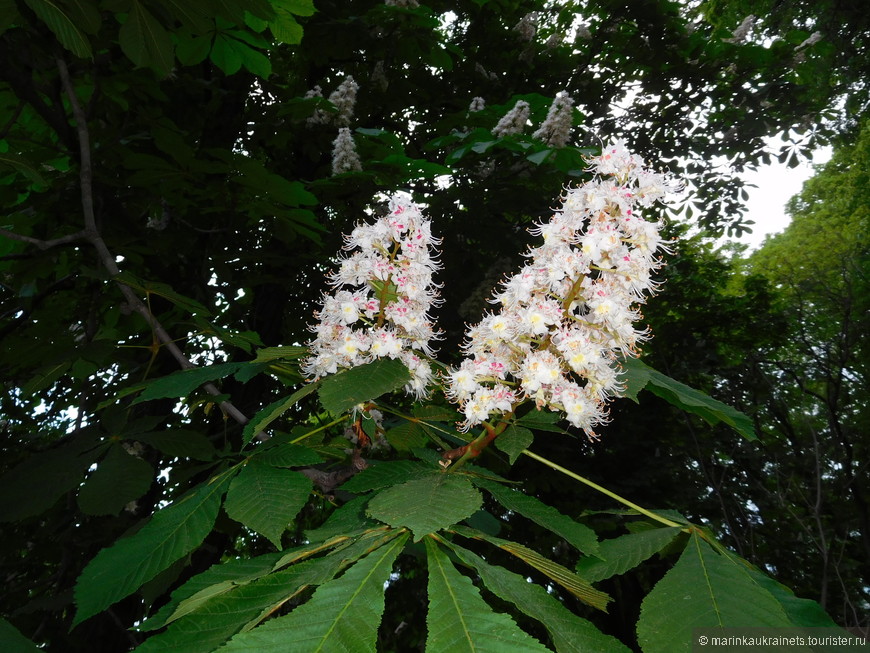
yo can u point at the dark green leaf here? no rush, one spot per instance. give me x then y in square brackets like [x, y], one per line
[145, 41]
[182, 383]
[182, 443]
[273, 411]
[704, 589]
[12, 641]
[426, 505]
[119, 479]
[342, 615]
[460, 620]
[386, 474]
[118, 571]
[513, 440]
[618, 555]
[59, 20]
[579, 536]
[341, 392]
[266, 499]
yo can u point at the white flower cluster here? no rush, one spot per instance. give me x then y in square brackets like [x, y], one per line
[514, 121]
[344, 99]
[384, 291]
[568, 312]
[556, 128]
[344, 156]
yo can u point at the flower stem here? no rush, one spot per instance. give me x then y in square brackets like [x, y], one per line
[603, 490]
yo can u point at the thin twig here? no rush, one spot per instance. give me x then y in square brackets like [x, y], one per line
[45, 244]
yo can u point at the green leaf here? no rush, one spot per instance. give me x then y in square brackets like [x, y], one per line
[12, 641]
[513, 440]
[266, 499]
[540, 420]
[58, 18]
[342, 615]
[691, 400]
[286, 455]
[618, 555]
[407, 436]
[24, 166]
[183, 382]
[704, 589]
[273, 411]
[268, 354]
[348, 518]
[119, 479]
[579, 587]
[145, 41]
[215, 580]
[570, 633]
[226, 53]
[35, 485]
[427, 504]
[460, 620]
[208, 619]
[285, 28]
[173, 532]
[342, 391]
[162, 289]
[801, 612]
[539, 157]
[385, 474]
[183, 443]
[577, 535]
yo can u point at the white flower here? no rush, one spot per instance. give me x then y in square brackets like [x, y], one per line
[570, 311]
[514, 121]
[344, 156]
[556, 128]
[383, 294]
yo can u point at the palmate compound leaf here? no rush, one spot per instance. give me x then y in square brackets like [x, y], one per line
[427, 504]
[577, 535]
[460, 620]
[266, 498]
[620, 554]
[705, 589]
[172, 533]
[342, 615]
[570, 633]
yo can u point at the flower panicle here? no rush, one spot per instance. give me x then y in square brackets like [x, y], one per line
[383, 292]
[569, 313]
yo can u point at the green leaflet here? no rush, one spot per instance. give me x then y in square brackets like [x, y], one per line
[388, 473]
[173, 532]
[119, 479]
[426, 505]
[577, 535]
[341, 392]
[342, 615]
[704, 589]
[274, 410]
[570, 633]
[36, 484]
[513, 440]
[266, 499]
[579, 587]
[625, 552]
[12, 641]
[348, 518]
[460, 620]
[145, 41]
[640, 375]
[214, 581]
[211, 618]
[182, 383]
[60, 21]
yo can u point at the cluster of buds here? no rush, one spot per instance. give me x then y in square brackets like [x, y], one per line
[383, 293]
[569, 313]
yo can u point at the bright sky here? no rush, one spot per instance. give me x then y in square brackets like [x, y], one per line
[776, 184]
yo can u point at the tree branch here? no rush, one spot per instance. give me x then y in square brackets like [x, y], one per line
[92, 235]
